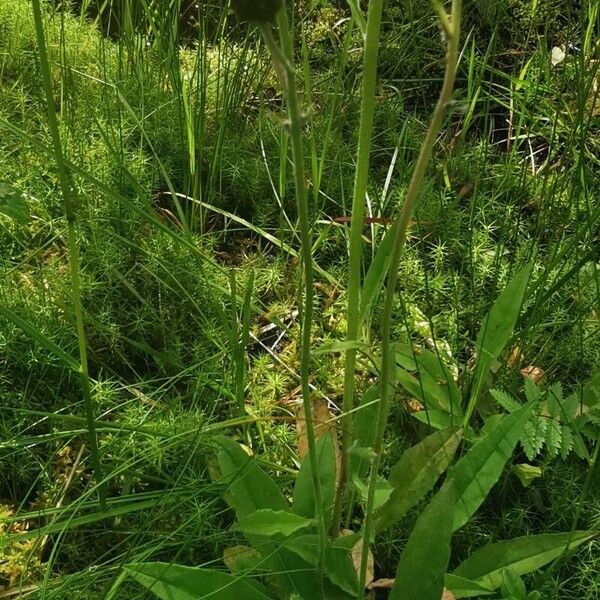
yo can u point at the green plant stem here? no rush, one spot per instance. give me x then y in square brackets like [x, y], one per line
[68, 195]
[402, 224]
[353, 322]
[283, 58]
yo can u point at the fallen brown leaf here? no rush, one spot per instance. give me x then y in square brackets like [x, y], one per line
[515, 357]
[357, 558]
[323, 421]
[414, 406]
[536, 373]
[382, 584]
[448, 595]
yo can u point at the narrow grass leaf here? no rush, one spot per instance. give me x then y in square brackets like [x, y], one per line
[43, 340]
[376, 274]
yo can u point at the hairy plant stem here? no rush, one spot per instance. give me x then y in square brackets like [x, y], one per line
[68, 195]
[361, 179]
[283, 58]
[452, 31]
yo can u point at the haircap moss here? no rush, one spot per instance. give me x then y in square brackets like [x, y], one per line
[262, 11]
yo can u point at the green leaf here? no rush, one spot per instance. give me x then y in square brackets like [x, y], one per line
[442, 420]
[376, 274]
[527, 473]
[476, 473]
[383, 490]
[433, 395]
[242, 558]
[591, 391]
[497, 328]
[13, 204]
[365, 424]
[523, 555]
[416, 473]
[512, 584]
[267, 522]
[435, 379]
[423, 564]
[304, 492]
[532, 391]
[534, 436]
[358, 16]
[340, 346]
[176, 582]
[465, 588]
[250, 488]
[337, 561]
[505, 400]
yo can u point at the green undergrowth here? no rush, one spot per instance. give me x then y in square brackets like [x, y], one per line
[142, 116]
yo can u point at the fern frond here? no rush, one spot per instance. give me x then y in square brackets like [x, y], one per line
[532, 391]
[534, 436]
[505, 400]
[553, 438]
[567, 442]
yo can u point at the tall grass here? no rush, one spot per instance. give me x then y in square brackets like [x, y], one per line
[67, 186]
[156, 225]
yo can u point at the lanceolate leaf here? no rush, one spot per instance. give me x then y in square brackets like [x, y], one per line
[304, 492]
[523, 555]
[434, 377]
[250, 488]
[498, 326]
[476, 473]
[423, 564]
[465, 588]
[416, 473]
[429, 392]
[176, 582]
[267, 522]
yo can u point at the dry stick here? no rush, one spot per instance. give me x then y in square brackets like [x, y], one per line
[68, 195]
[451, 27]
